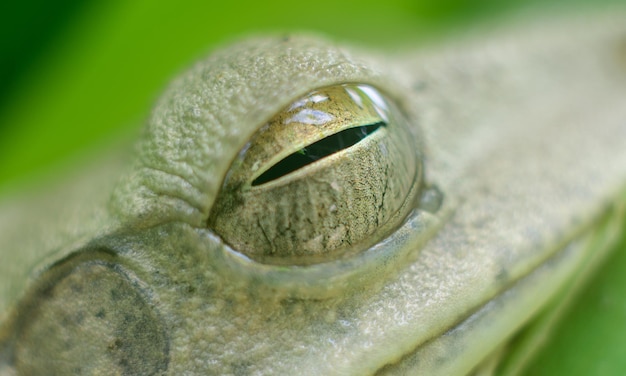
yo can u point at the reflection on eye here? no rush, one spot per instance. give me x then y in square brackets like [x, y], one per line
[316, 151]
[325, 178]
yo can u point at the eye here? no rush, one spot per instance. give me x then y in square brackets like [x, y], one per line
[330, 175]
[317, 150]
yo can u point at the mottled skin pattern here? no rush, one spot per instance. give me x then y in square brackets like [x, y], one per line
[523, 134]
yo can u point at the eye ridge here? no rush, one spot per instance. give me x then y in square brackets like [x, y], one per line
[316, 151]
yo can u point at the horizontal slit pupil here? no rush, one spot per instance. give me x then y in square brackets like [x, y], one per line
[317, 150]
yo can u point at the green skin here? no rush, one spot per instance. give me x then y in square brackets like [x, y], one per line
[522, 134]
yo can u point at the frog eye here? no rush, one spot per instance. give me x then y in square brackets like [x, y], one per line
[328, 176]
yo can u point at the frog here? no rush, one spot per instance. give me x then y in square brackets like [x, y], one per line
[295, 205]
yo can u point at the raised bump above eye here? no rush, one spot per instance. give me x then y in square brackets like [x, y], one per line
[326, 177]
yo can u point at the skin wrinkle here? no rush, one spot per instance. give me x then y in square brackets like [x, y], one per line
[182, 182]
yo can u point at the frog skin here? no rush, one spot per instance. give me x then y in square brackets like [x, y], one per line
[517, 191]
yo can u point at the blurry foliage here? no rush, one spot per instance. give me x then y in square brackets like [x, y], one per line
[27, 29]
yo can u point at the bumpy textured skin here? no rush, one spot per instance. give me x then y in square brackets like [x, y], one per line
[525, 136]
[208, 114]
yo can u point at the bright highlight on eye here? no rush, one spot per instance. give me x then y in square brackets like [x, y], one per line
[325, 178]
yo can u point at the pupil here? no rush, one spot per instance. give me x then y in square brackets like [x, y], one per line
[317, 150]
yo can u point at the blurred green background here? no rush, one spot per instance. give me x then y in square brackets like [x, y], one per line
[75, 74]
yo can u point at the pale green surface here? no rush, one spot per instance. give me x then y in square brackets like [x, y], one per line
[42, 116]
